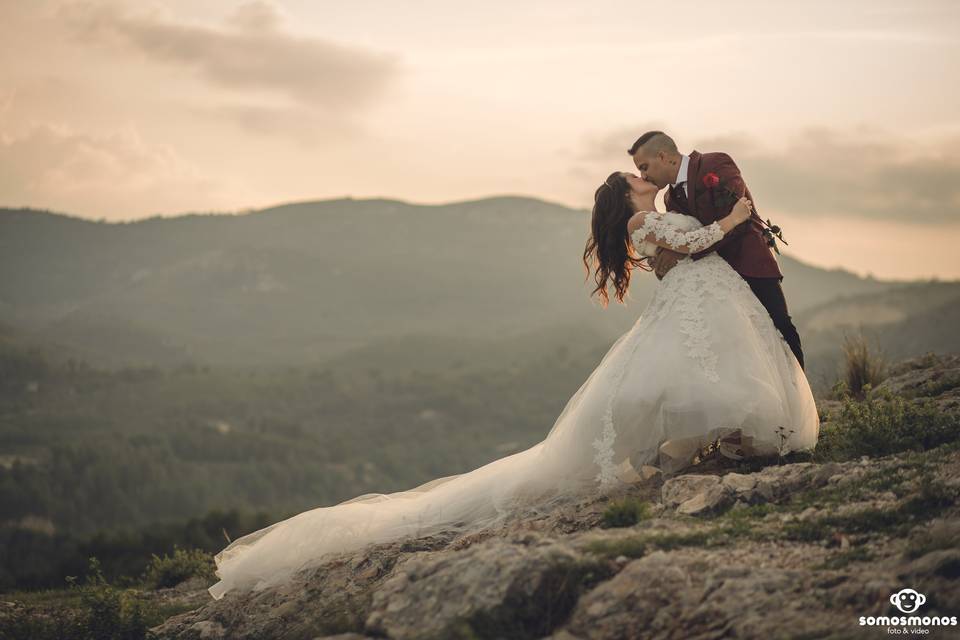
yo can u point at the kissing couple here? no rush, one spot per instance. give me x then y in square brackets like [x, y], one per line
[719, 301]
[712, 362]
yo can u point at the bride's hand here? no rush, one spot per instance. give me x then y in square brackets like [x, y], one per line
[741, 210]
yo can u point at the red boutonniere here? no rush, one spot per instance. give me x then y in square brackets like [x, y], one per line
[728, 198]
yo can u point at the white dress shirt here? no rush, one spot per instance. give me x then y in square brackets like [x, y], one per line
[682, 174]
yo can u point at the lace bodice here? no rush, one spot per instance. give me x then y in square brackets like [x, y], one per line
[681, 232]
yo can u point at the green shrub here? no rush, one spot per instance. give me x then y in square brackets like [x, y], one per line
[93, 610]
[109, 613]
[170, 571]
[861, 367]
[639, 545]
[625, 512]
[884, 423]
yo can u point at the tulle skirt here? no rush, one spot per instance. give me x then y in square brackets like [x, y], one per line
[703, 361]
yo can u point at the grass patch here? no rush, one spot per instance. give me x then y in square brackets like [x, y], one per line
[171, 570]
[884, 423]
[752, 522]
[891, 478]
[844, 558]
[99, 611]
[740, 521]
[640, 545]
[625, 513]
[67, 597]
[931, 500]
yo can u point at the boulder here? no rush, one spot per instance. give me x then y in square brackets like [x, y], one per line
[714, 498]
[693, 594]
[494, 589]
[705, 494]
[679, 489]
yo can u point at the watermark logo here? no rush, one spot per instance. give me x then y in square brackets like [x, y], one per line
[908, 600]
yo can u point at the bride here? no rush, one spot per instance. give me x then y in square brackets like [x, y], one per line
[702, 364]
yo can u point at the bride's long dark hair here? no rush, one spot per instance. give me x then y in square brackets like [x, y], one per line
[609, 243]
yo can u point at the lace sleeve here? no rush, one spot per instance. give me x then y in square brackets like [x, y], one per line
[656, 229]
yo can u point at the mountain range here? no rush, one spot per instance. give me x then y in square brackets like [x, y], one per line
[375, 280]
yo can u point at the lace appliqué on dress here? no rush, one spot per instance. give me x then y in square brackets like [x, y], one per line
[690, 241]
[690, 282]
[685, 286]
[604, 447]
[607, 476]
[694, 327]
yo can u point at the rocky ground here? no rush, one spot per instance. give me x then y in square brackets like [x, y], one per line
[796, 550]
[790, 548]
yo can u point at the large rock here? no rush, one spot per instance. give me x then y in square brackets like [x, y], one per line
[777, 482]
[932, 376]
[694, 594]
[942, 562]
[326, 600]
[706, 494]
[714, 498]
[494, 589]
[741, 484]
[679, 489]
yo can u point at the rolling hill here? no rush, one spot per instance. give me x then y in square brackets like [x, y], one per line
[310, 282]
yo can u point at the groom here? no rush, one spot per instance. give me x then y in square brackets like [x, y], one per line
[692, 180]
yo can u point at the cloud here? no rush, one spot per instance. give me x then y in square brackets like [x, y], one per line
[6, 102]
[251, 53]
[304, 127]
[613, 144]
[258, 16]
[865, 173]
[820, 171]
[116, 175]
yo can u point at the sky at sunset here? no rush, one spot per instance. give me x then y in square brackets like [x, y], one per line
[843, 116]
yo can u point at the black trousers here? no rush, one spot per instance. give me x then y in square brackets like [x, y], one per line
[770, 294]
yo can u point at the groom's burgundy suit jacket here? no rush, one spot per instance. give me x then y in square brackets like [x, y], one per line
[744, 247]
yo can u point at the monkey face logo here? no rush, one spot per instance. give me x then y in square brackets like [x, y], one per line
[907, 600]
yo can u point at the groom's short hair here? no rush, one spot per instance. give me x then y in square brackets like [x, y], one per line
[656, 140]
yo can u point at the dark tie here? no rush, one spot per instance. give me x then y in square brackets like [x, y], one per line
[679, 197]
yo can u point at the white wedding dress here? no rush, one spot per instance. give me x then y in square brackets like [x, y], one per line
[702, 361]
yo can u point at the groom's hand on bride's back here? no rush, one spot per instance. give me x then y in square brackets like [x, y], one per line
[665, 260]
